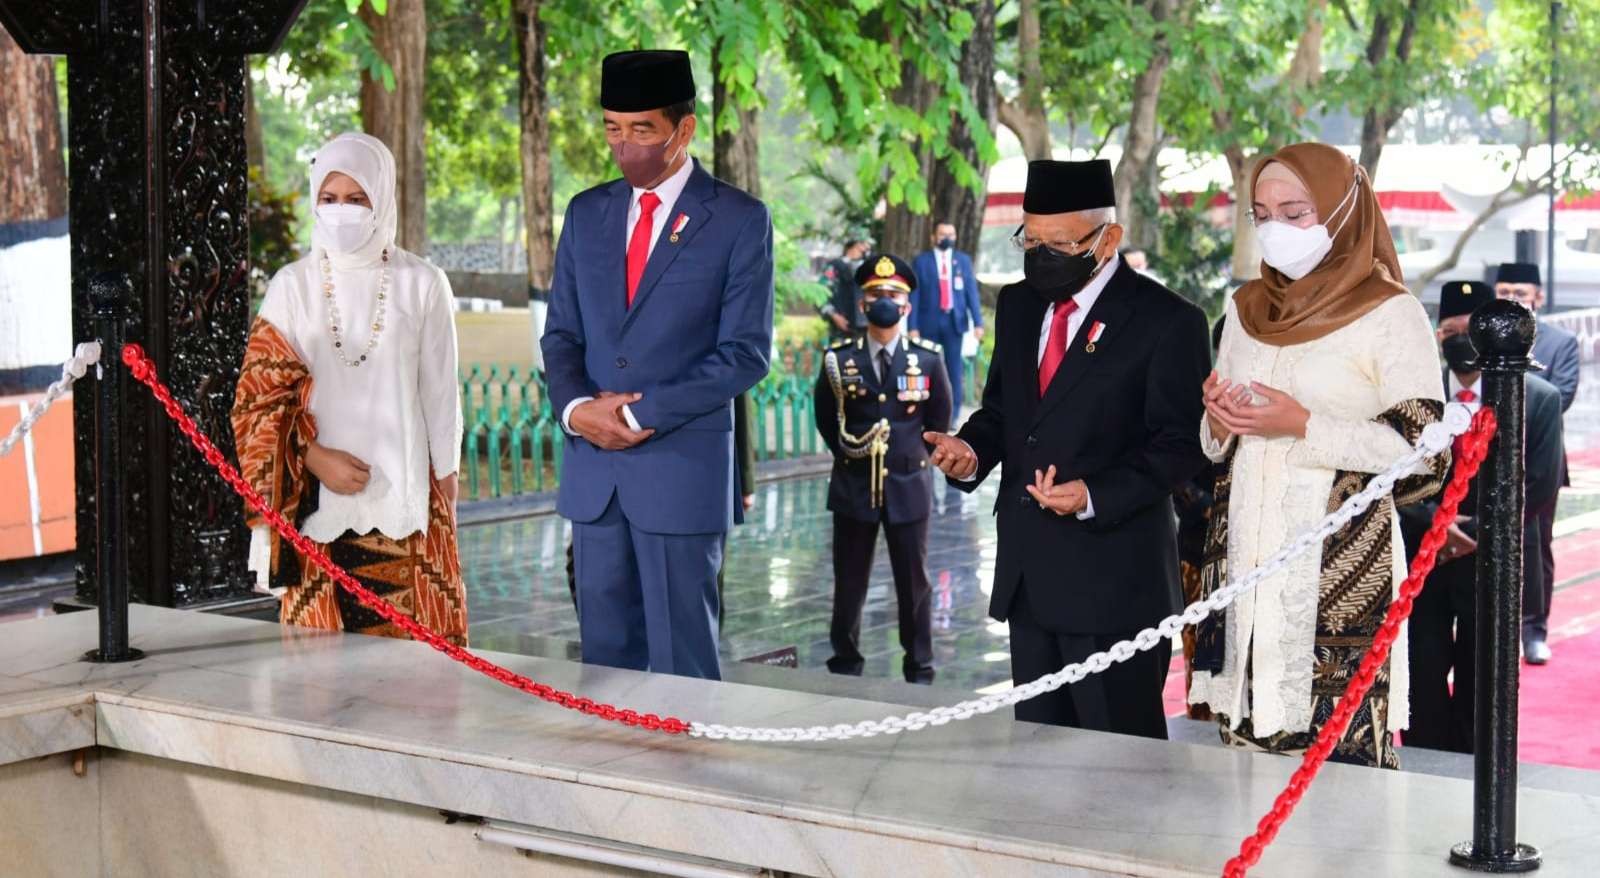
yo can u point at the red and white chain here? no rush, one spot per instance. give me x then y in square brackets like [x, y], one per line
[1436, 438]
[86, 355]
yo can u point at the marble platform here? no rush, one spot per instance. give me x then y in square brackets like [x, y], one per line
[237, 747]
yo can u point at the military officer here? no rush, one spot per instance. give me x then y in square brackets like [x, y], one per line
[876, 396]
[842, 311]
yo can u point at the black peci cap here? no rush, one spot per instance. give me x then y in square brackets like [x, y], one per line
[880, 271]
[634, 82]
[1518, 273]
[1068, 187]
[1458, 297]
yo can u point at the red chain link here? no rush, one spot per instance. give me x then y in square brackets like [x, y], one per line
[1470, 452]
[141, 368]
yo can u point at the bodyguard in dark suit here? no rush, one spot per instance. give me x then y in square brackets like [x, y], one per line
[1556, 350]
[1443, 620]
[946, 302]
[843, 311]
[660, 315]
[875, 398]
[1090, 410]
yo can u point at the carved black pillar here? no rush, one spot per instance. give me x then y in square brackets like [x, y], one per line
[1502, 334]
[157, 188]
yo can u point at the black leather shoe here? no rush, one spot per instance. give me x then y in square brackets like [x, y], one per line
[1536, 651]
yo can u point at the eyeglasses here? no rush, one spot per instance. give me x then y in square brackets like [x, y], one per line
[1024, 242]
[1294, 215]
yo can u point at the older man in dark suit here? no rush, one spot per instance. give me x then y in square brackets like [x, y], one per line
[1444, 619]
[1555, 350]
[1090, 410]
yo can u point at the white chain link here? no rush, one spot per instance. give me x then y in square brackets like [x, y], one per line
[86, 355]
[1435, 439]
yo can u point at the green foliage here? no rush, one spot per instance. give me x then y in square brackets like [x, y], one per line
[1192, 255]
[1518, 82]
[473, 126]
[274, 215]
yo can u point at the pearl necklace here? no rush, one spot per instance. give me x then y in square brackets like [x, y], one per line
[333, 311]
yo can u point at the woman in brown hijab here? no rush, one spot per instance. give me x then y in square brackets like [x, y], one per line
[1326, 374]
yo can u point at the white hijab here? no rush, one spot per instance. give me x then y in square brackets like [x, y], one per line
[364, 159]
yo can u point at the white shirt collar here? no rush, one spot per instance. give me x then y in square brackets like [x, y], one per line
[670, 188]
[1456, 387]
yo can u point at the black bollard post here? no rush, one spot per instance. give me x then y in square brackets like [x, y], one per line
[1502, 333]
[109, 294]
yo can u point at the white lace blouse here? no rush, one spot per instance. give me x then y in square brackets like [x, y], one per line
[400, 411]
[1282, 486]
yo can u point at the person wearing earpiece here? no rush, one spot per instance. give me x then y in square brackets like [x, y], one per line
[347, 416]
[1327, 372]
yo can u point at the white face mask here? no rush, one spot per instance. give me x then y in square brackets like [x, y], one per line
[1295, 251]
[345, 227]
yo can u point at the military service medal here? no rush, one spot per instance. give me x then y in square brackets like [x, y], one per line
[677, 226]
[1096, 330]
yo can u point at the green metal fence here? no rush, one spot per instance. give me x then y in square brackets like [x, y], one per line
[512, 444]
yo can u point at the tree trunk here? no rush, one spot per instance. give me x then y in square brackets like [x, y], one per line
[949, 200]
[255, 139]
[1136, 167]
[1246, 252]
[33, 172]
[735, 153]
[537, 209]
[1026, 115]
[905, 233]
[396, 117]
[1305, 68]
[1383, 115]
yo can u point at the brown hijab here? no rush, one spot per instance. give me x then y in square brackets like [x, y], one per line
[1357, 275]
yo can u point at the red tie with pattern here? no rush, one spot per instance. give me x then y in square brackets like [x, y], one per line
[1055, 350]
[944, 285]
[639, 244]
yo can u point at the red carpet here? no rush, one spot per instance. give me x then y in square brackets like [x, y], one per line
[1560, 702]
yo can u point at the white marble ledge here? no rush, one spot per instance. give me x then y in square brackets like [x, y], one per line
[395, 720]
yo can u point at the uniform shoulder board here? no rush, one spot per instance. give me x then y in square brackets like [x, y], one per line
[841, 344]
[928, 345]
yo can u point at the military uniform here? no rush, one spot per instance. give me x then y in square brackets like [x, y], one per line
[881, 477]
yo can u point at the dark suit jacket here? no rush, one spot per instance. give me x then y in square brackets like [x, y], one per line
[1557, 350]
[908, 489]
[965, 308]
[844, 296]
[699, 334]
[1542, 467]
[1125, 418]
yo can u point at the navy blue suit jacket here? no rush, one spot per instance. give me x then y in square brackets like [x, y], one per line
[699, 334]
[926, 316]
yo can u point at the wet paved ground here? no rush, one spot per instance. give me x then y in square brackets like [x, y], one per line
[779, 585]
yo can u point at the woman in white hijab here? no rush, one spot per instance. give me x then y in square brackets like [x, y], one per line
[348, 417]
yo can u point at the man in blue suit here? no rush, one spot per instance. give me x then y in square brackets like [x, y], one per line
[947, 303]
[660, 314]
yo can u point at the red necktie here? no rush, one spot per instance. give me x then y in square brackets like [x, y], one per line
[639, 244]
[1055, 350]
[944, 285]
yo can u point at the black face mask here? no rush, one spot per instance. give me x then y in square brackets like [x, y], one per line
[1055, 275]
[946, 243]
[883, 312]
[1459, 354]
